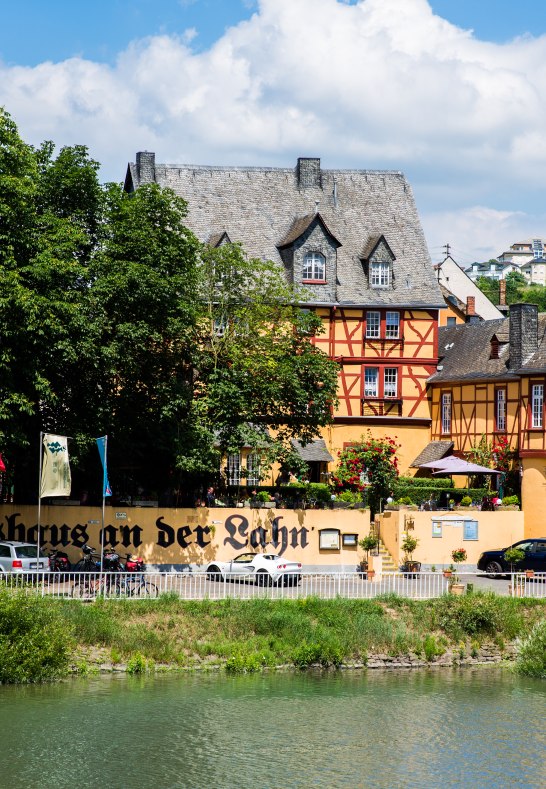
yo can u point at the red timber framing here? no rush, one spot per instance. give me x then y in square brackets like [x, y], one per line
[383, 339]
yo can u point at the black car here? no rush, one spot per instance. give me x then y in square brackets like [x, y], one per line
[494, 563]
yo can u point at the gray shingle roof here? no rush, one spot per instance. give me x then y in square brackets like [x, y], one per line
[464, 352]
[258, 206]
[315, 451]
[435, 450]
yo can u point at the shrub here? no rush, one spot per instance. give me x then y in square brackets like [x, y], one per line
[35, 642]
[137, 664]
[531, 652]
[466, 501]
[510, 500]
[243, 663]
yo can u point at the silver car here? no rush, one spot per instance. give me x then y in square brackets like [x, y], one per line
[21, 557]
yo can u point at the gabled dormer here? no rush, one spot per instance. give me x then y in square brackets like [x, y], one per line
[378, 262]
[218, 239]
[309, 252]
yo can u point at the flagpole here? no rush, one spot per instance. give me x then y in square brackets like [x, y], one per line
[103, 500]
[39, 500]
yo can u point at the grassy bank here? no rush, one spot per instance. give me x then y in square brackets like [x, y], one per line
[52, 637]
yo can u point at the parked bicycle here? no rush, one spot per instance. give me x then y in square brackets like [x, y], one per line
[114, 580]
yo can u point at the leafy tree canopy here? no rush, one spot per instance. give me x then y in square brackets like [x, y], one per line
[116, 320]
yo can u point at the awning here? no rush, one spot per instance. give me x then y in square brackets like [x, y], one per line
[313, 452]
[434, 450]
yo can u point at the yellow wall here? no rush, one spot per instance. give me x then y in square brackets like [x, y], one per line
[533, 493]
[495, 530]
[178, 537]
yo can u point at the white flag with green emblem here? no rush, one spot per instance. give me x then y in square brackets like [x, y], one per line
[56, 479]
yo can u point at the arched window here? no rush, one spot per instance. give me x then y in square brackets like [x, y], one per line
[314, 266]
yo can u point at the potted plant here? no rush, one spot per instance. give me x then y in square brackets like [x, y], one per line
[409, 544]
[515, 556]
[367, 544]
[455, 586]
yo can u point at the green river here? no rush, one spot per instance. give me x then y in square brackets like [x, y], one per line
[463, 728]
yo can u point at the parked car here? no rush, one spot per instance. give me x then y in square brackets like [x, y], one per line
[22, 557]
[494, 563]
[264, 568]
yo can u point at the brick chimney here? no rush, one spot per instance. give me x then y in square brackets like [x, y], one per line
[471, 316]
[523, 333]
[145, 162]
[502, 293]
[308, 173]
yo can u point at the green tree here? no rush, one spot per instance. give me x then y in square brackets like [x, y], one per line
[516, 285]
[490, 287]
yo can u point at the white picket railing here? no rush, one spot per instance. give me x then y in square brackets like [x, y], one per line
[198, 586]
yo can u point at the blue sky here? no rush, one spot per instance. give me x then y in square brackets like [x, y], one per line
[397, 84]
[100, 29]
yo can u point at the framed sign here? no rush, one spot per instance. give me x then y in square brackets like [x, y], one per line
[329, 539]
[470, 530]
[349, 540]
[436, 528]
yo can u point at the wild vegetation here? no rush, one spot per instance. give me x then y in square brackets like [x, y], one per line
[247, 635]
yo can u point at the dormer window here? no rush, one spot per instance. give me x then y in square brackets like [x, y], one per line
[314, 267]
[380, 274]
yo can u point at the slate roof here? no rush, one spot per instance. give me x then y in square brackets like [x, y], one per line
[315, 451]
[258, 206]
[464, 352]
[435, 450]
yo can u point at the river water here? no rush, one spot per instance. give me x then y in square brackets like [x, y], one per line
[461, 728]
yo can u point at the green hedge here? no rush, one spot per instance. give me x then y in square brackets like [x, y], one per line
[420, 494]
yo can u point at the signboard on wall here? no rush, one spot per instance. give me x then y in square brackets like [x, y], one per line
[329, 540]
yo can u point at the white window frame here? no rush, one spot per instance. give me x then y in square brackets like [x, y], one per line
[446, 413]
[314, 267]
[371, 382]
[392, 326]
[380, 274]
[373, 325]
[233, 470]
[500, 410]
[253, 469]
[537, 405]
[390, 382]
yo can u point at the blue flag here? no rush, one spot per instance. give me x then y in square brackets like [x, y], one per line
[101, 445]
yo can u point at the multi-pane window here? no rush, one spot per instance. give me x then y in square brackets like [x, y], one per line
[253, 469]
[371, 378]
[446, 412]
[392, 325]
[373, 325]
[234, 469]
[380, 275]
[500, 409]
[314, 266]
[390, 382]
[537, 405]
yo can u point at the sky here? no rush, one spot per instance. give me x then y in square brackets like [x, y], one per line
[451, 92]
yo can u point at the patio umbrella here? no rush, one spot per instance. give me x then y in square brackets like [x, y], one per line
[455, 465]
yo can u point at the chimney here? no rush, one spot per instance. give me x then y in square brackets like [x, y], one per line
[502, 293]
[523, 333]
[471, 316]
[145, 162]
[308, 173]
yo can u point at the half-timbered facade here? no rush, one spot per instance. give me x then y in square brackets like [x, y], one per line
[490, 381]
[353, 240]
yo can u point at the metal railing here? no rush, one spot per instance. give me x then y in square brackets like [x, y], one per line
[199, 585]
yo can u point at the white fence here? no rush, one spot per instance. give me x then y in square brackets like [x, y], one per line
[199, 586]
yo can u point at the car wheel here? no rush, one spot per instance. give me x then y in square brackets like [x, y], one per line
[263, 578]
[493, 569]
[213, 573]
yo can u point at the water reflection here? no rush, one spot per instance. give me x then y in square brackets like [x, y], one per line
[468, 728]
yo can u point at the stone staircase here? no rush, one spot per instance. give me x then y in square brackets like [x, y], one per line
[389, 565]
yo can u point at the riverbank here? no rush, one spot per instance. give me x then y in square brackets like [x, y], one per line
[44, 639]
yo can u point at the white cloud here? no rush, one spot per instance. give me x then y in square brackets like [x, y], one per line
[383, 83]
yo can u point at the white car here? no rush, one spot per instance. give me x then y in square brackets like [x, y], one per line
[264, 568]
[21, 557]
